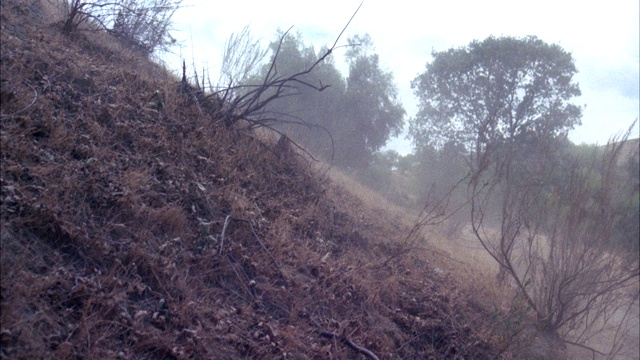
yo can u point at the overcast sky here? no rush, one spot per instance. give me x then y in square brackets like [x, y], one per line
[603, 38]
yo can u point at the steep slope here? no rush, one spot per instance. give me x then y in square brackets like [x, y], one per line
[133, 232]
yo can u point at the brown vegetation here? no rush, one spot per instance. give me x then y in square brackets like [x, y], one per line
[133, 230]
[554, 240]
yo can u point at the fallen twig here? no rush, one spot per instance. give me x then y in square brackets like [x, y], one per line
[351, 344]
[224, 229]
[342, 338]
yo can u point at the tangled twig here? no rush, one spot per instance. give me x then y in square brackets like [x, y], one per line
[35, 98]
[344, 339]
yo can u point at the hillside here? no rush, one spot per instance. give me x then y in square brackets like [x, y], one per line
[136, 233]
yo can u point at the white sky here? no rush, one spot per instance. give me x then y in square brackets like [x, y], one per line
[602, 37]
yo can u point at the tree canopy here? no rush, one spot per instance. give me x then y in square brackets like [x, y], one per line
[497, 89]
[372, 110]
[360, 111]
[302, 105]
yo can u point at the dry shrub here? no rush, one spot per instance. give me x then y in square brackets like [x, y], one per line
[554, 245]
[141, 25]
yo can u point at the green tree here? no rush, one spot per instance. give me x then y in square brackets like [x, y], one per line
[304, 113]
[360, 113]
[372, 111]
[441, 168]
[407, 163]
[498, 89]
[321, 109]
[625, 201]
[627, 227]
[378, 175]
[439, 175]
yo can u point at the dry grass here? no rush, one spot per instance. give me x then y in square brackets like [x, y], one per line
[458, 255]
[459, 259]
[461, 255]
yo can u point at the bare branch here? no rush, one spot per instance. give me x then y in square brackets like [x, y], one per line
[552, 239]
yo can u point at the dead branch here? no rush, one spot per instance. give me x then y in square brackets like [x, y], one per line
[240, 59]
[351, 344]
[593, 351]
[250, 104]
[294, 143]
[343, 338]
[553, 240]
[224, 229]
[141, 24]
[429, 215]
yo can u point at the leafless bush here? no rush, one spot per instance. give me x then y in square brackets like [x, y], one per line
[438, 209]
[142, 24]
[553, 241]
[241, 58]
[250, 103]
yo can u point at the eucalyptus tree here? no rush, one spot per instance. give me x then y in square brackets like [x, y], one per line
[372, 111]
